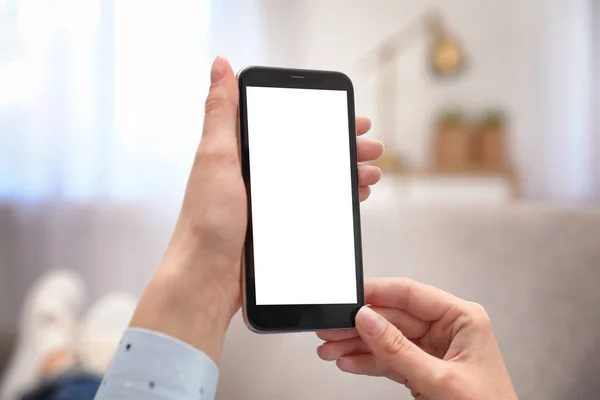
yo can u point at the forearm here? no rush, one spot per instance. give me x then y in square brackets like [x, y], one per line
[186, 304]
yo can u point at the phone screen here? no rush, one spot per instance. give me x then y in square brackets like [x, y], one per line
[301, 196]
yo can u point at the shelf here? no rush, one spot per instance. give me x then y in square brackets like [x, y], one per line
[447, 187]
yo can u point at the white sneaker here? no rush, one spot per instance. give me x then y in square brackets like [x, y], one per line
[101, 331]
[47, 324]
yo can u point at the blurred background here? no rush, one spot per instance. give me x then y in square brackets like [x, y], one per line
[492, 166]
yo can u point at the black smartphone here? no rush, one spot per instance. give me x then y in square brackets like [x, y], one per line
[303, 255]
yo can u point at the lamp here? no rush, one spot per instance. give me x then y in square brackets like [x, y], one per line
[446, 54]
[446, 59]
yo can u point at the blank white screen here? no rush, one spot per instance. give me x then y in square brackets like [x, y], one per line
[301, 190]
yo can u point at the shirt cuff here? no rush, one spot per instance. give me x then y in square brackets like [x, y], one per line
[151, 365]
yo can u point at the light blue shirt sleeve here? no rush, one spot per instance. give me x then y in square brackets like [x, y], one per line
[149, 365]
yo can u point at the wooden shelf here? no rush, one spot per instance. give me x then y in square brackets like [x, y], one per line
[508, 174]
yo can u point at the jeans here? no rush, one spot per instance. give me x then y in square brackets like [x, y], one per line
[72, 385]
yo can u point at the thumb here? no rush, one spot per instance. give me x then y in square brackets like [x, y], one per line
[220, 115]
[397, 352]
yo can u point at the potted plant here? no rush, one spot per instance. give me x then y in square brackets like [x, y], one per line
[491, 141]
[452, 142]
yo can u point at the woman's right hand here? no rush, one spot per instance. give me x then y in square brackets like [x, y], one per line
[437, 345]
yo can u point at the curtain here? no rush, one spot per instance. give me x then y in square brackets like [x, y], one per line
[100, 100]
[595, 17]
[566, 101]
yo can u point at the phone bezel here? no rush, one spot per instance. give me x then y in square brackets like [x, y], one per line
[310, 317]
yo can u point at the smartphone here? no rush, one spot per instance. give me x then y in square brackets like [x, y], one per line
[303, 268]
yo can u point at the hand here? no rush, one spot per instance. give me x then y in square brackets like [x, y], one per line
[196, 289]
[437, 345]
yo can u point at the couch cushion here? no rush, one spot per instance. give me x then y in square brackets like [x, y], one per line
[535, 269]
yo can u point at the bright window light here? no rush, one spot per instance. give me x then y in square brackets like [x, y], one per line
[161, 80]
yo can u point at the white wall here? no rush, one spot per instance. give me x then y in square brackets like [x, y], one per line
[530, 57]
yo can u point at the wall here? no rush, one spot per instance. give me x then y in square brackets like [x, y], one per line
[532, 58]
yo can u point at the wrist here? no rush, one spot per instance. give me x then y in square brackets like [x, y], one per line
[192, 307]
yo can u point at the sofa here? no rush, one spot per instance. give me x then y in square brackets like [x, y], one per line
[535, 268]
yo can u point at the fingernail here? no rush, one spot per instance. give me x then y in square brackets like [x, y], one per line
[217, 72]
[371, 322]
[382, 147]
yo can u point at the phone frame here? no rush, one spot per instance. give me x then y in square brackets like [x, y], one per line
[307, 317]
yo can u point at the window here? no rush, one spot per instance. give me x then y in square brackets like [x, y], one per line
[100, 99]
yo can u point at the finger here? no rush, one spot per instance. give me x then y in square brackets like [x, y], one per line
[363, 125]
[367, 364]
[412, 327]
[368, 149]
[334, 336]
[422, 301]
[396, 352]
[331, 351]
[364, 192]
[220, 119]
[362, 364]
[368, 175]
[415, 393]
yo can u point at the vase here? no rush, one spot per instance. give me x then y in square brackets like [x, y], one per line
[491, 149]
[452, 148]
